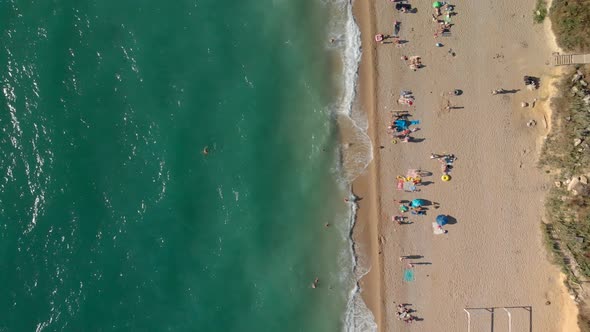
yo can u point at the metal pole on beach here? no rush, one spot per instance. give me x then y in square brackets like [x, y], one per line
[509, 320]
[468, 320]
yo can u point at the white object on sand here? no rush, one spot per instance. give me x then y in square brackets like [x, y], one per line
[436, 229]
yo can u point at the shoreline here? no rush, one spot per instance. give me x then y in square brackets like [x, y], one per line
[371, 235]
[366, 230]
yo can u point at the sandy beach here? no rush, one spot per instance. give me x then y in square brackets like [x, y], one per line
[493, 256]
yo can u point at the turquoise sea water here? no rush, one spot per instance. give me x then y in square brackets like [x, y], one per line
[112, 219]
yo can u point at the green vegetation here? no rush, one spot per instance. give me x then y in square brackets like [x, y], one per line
[571, 24]
[566, 154]
[540, 11]
[570, 214]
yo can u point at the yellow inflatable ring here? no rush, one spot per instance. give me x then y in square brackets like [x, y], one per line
[394, 141]
[446, 177]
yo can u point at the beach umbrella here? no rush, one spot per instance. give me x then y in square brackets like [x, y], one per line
[436, 4]
[418, 202]
[442, 220]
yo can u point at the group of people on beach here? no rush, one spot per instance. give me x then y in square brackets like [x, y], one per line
[400, 127]
[443, 12]
[404, 313]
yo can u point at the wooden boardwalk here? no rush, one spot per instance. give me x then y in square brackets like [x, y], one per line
[570, 59]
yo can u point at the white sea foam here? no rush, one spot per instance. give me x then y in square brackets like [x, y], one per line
[346, 35]
[358, 317]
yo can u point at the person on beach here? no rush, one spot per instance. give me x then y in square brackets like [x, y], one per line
[415, 62]
[403, 208]
[351, 199]
[398, 219]
[443, 230]
[380, 38]
[419, 210]
[409, 319]
[404, 314]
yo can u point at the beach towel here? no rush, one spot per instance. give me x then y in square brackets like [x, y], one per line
[400, 184]
[408, 275]
[410, 187]
[436, 229]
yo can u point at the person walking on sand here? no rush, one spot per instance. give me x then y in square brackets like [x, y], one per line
[351, 199]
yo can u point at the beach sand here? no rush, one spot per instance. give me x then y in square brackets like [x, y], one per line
[493, 256]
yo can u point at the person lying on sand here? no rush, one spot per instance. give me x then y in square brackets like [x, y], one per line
[399, 219]
[419, 210]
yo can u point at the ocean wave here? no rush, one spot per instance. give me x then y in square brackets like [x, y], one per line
[356, 152]
[358, 317]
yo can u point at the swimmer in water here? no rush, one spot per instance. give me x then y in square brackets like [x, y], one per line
[205, 150]
[315, 283]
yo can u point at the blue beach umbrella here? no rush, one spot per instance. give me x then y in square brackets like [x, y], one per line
[442, 220]
[417, 202]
